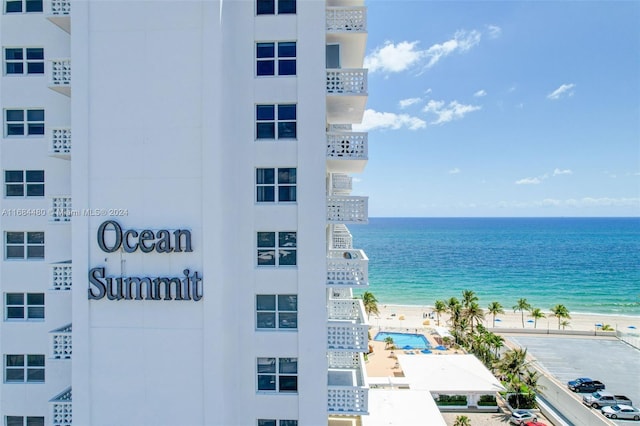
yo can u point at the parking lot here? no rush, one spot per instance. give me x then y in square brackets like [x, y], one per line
[611, 361]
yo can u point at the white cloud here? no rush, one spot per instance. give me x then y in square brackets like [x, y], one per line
[393, 57]
[404, 103]
[454, 171]
[564, 90]
[494, 31]
[462, 41]
[373, 120]
[480, 93]
[529, 181]
[557, 172]
[453, 111]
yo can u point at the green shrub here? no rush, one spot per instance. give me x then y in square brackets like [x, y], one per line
[452, 400]
[487, 401]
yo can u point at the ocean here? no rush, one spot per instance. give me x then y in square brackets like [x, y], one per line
[590, 265]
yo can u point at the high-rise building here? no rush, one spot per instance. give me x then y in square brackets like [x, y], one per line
[176, 194]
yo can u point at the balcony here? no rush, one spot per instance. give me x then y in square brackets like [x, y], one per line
[60, 76]
[60, 14]
[347, 329]
[348, 390]
[60, 340]
[60, 211]
[341, 238]
[347, 268]
[61, 276]
[347, 27]
[61, 409]
[347, 152]
[346, 94]
[347, 209]
[60, 143]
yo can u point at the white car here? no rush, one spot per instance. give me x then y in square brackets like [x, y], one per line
[520, 417]
[626, 412]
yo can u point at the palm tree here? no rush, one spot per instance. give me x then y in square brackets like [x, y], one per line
[440, 307]
[522, 306]
[462, 421]
[370, 303]
[513, 363]
[606, 327]
[564, 324]
[453, 306]
[388, 342]
[468, 297]
[536, 314]
[473, 312]
[494, 309]
[562, 313]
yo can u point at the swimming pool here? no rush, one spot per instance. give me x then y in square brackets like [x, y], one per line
[400, 340]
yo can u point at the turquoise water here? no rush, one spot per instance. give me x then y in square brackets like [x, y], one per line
[591, 265]
[400, 340]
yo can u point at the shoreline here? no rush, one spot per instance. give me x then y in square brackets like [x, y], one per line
[413, 316]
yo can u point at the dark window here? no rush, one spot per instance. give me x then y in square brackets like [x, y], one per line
[267, 121]
[267, 54]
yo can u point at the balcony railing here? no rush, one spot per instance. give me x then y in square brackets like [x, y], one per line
[345, 81]
[347, 268]
[347, 209]
[347, 145]
[61, 347]
[347, 19]
[341, 238]
[60, 76]
[61, 277]
[60, 142]
[341, 293]
[341, 184]
[347, 329]
[60, 209]
[348, 390]
[59, 13]
[61, 409]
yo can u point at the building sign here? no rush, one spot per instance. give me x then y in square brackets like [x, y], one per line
[112, 238]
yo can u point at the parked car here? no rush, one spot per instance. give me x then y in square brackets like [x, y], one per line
[585, 384]
[620, 411]
[520, 417]
[535, 423]
[602, 399]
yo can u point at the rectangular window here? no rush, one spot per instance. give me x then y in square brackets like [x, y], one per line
[21, 183]
[277, 311]
[24, 306]
[276, 121]
[24, 122]
[24, 421]
[278, 374]
[277, 249]
[24, 60]
[22, 6]
[276, 58]
[268, 7]
[268, 189]
[24, 368]
[24, 245]
[274, 422]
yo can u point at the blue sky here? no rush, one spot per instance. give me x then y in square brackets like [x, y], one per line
[502, 108]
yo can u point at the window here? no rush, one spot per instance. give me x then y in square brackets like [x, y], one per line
[269, 54]
[19, 183]
[276, 121]
[273, 422]
[266, 186]
[278, 374]
[268, 7]
[24, 122]
[24, 421]
[28, 60]
[24, 245]
[277, 248]
[277, 311]
[24, 306]
[22, 6]
[24, 368]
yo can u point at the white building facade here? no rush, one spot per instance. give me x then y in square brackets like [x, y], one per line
[183, 258]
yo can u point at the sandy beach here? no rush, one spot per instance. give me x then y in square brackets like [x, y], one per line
[412, 317]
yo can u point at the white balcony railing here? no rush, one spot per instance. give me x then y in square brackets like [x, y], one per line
[341, 184]
[344, 81]
[347, 145]
[60, 209]
[60, 7]
[347, 19]
[60, 339]
[61, 409]
[60, 142]
[347, 209]
[61, 277]
[341, 238]
[341, 293]
[347, 268]
[348, 390]
[347, 329]
[60, 76]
